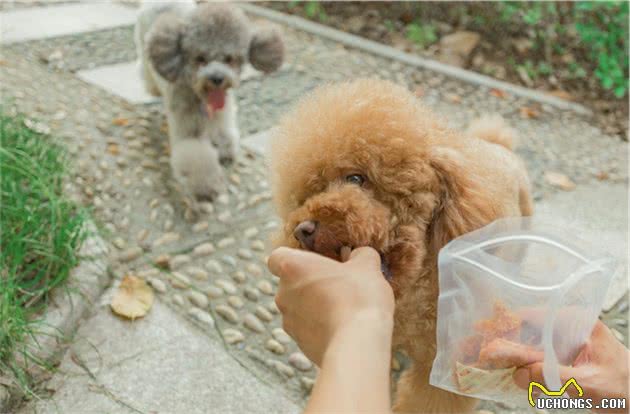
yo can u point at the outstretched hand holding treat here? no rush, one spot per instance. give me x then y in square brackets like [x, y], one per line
[342, 316]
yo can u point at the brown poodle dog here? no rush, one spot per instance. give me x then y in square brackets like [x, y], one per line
[364, 164]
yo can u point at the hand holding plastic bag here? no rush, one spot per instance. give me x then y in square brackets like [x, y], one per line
[513, 293]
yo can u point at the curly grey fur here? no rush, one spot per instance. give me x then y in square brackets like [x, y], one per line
[266, 50]
[165, 47]
[186, 54]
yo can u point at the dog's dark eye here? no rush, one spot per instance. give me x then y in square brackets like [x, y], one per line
[201, 60]
[229, 59]
[356, 179]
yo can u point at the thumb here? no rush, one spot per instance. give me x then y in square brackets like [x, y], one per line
[534, 372]
[293, 263]
[366, 256]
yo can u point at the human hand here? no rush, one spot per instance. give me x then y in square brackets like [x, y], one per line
[601, 368]
[320, 297]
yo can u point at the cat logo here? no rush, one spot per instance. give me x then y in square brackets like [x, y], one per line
[553, 393]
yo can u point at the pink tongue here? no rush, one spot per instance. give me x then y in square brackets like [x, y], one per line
[215, 100]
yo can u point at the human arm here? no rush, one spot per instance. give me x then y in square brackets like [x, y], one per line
[341, 315]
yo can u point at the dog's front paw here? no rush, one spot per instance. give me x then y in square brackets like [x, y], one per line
[227, 159]
[209, 189]
[228, 146]
[196, 166]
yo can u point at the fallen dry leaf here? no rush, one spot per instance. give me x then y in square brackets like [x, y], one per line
[454, 98]
[559, 180]
[529, 112]
[501, 94]
[120, 121]
[559, 93]
[133, 299]
[602, 175]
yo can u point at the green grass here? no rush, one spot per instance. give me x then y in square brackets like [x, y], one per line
[40, 233]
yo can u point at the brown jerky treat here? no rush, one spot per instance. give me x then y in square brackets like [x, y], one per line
[503, 324]
[469, 349]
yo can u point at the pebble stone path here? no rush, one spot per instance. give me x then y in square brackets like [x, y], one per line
[211, 266]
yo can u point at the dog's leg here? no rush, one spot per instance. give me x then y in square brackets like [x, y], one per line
[195, 164]
[415, 395]
[228, 146]
[228, 139]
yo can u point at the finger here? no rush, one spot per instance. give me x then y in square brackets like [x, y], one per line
[280, 298]
[366, 256]
[286, 262]
[534, 372]
[537, 316]
[601, 333]
[277, 260]
[501, 353]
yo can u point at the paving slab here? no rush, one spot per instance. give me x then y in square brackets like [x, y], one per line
[120, 79]
[257, 142]
[160, 363]
[597, 213]
[43, 22]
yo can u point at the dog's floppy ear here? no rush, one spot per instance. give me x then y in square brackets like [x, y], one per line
[266, 49]
[464, 203]
[164, 46]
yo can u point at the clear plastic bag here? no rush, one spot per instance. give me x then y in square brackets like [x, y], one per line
[515, 290]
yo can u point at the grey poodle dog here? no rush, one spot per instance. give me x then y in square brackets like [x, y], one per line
[192, 56]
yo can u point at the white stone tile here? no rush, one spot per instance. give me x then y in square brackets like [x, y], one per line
[44, 22]
[598, 214]
[257, 142]
[121, 79]
[249, 72]
[160, 363]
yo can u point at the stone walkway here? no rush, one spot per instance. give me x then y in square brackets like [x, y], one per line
[214, 339]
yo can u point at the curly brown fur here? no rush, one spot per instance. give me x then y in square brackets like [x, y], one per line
[425, 184]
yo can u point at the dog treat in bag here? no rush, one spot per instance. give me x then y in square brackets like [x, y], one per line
[512, 293]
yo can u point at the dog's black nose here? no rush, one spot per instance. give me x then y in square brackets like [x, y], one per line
[305, 234]
[216, 80]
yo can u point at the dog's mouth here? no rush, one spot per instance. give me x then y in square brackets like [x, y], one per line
[312, 236]
[215, 100]
[344, 255]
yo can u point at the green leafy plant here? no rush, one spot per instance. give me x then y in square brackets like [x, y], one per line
[314, 9]
[389, 25]
[577, 71]
[603, 28]
[421, 34]
[557, 35]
